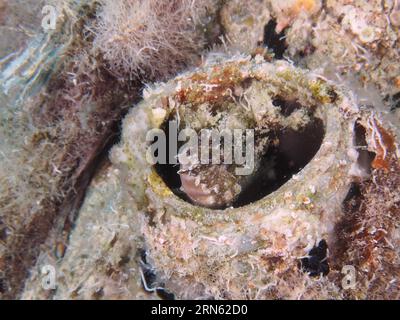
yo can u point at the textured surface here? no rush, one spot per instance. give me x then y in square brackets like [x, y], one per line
[71, 101]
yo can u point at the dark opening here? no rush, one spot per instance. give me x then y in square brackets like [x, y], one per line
[3, 231]
[316, 263]
[150, 278]
[365, 157]
[287, 107]
[169, 172]
[396, 101]
[277, 166]
[2, 286]
[353, 199]
[274, 41]
[280, 163]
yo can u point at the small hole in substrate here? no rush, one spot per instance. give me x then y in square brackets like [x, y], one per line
[274, 41]
[2, 286]
[287, 107]
[149, 278]
[3, 231]
[165, 295]
[394, 100]
[316, 263]
[148, 274]
[365, 157]
[353, 199]
[396, 96]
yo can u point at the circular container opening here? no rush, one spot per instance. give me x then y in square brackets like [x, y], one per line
[277, 166]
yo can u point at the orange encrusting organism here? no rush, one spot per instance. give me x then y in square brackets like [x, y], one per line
[303, 5]
[384, 142]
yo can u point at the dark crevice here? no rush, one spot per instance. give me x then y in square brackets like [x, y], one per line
[2, 286]
[395, 99]
[287, 107]
[165, 295]
[316, 263]
[396, 96]
[360, 135]
[353, 199]
[151, 284]
[365, 157]
[274, 41]
[3, 231]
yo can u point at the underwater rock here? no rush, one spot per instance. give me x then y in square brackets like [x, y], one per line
[252, 249]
